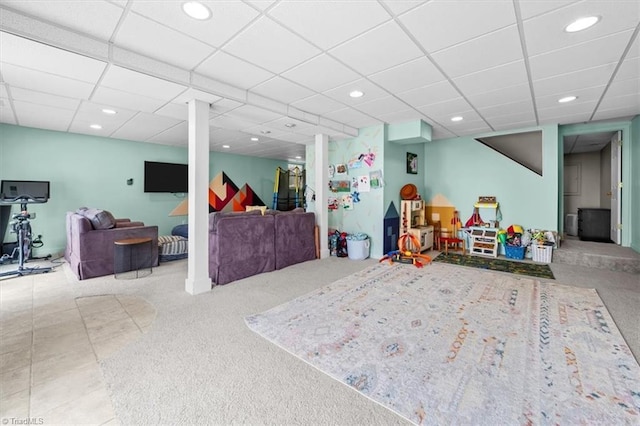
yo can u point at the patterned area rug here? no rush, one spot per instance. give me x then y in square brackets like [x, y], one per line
[512, 266]
[445, 345]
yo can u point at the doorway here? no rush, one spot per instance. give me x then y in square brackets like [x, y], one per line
[593, 179]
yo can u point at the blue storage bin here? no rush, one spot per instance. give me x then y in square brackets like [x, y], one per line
[514, 252]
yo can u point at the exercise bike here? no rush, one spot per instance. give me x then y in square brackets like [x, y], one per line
[21, 226]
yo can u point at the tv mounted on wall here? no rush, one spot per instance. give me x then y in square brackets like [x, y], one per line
[165, 177]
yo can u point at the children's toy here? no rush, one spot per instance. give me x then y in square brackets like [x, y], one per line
[405, 255]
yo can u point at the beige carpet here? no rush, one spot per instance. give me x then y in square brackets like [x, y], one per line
[446, 345]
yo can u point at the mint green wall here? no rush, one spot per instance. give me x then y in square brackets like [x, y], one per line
[630, 198]
[367, 215]
[92, 171]
[462, 169]
[634, 192]
[395, 171]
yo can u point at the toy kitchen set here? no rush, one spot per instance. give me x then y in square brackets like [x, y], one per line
[413, 222]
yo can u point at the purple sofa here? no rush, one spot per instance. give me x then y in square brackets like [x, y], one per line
[90, 251]
[242, 244]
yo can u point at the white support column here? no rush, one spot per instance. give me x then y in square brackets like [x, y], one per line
[198, 280]
[322, 191]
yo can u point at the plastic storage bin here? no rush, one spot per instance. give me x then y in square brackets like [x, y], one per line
[541, 254]
[358, 249]
[514, 252]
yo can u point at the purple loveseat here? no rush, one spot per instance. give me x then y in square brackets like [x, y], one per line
[89, 251]
[242, 244]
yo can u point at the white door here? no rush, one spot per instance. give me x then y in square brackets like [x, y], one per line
[616, 186]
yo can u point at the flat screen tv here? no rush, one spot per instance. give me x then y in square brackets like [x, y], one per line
[165, 177]
[37, 190]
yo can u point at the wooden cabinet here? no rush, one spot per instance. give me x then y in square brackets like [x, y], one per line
[484, 241]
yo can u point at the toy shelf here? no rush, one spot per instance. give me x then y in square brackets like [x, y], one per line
[484, 241]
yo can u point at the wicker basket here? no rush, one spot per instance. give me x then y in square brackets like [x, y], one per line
[541, 254]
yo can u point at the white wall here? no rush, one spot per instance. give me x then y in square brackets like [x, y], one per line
[590, 182]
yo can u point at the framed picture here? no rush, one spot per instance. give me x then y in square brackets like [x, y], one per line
[412, 163]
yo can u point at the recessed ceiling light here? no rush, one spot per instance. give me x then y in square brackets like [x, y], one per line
[226, 146]
[298, 157]
[96, 126]
[254, 139]
[356, 94]
[109, 111]
[456, 118]
[567, 99]
[196, 10]
[581, 24]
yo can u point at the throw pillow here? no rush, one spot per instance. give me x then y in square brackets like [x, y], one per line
[252, 208]
[100, 219]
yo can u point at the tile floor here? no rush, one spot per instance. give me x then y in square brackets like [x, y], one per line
[51, 345]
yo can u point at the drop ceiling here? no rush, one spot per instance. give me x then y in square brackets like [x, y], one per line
[282, 70]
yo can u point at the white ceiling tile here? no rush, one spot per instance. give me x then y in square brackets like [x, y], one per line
[579, 56]
[623, 101]
[416, 73]
[431, 23]
[222, 136]
[270, 45]
[630, 69]
[617, 108]
[398, 7]
[40, 57]
[501, 96]
[569, 118]
[90, 113]
[236, 72]
[383, 47]
[588, 95]
[179, 111]
[3, 91]
[565, 83]
[253, 114]
[144, 126]
[225, 105]
[159, 42]
[546, 33]
[532, 8]
[511, 74]
[43, 82]
[177, 135]
[96, 18]
[505, 119]
[431, 94]
[562, 111]
[282, 90]
[445, 109]
[624, 88]
[347, 116]
[488, 51]
[327, 24]
[228, 17]
[321, 73]
[140, 84]
[514, 125]
[382, 106]
[231, 123]
[282, 122]
[45, 99]
[502, 110]
[370, 90]
[118, 98]
[261, 4]
[318, 104]
[400, 116]
[42, 117]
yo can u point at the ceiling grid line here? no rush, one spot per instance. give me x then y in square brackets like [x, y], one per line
[633, 38]
[525, 55]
